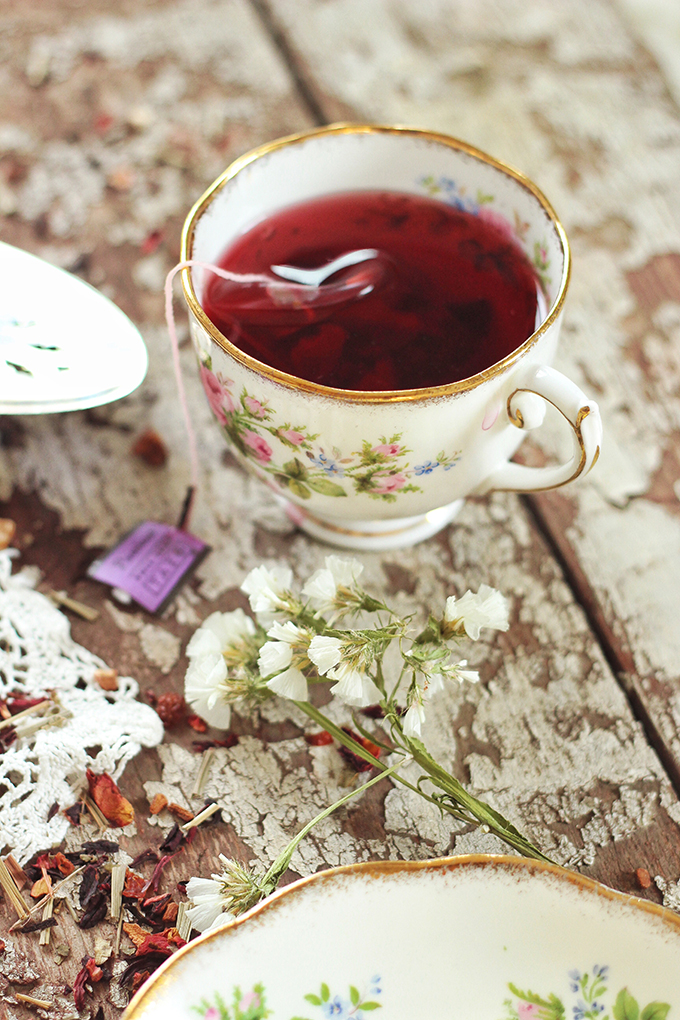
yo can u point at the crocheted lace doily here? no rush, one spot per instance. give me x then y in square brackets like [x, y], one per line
[91, 728]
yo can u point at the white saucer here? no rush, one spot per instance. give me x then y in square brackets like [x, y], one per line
[464, 938]
[63, 345]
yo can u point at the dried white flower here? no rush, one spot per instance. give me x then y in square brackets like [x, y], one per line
[269, 590]
[217, 900]
[208, 909]
[325, 652]
[292, 683]
[219, 653]
[288, 652]
[203, 690]
[488, 608]
[331, 590]
[354, 687]
[219, 631]
[413, 720]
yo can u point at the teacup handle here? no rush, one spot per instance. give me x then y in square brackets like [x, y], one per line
[524, 412]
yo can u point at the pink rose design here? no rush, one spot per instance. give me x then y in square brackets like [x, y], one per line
[292, 436]
[502, 225]
[219, 397]
[249, 999]
[255, 407]
[388, 449]
[211, 1014]
[390, 483]
[527, 1010]
[259, 446]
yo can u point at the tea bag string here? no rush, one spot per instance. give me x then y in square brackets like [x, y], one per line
[177, 366]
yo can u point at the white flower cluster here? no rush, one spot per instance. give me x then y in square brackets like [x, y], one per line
[217, 900]
[295, 641]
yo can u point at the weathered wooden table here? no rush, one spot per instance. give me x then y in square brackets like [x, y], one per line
[113, 119]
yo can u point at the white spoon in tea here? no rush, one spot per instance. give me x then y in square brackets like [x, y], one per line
[315, 277]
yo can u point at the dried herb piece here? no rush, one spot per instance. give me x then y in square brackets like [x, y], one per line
[134, 886]
[94, 915]
[25, 929]
[63, 864]
[158, 802]
[373, 712]
[353, 760]
[146, 855]
[173, 840]
[16, 871]
[318, 739]
[150, 448]
[203, 745]
[180, 812]
[88, 972]
[644, 879]
[100, 846]
[171, 708]
[142, 965]
[74, 812]
[106, 678]
[152, 884]
[53, 811]
[138, 980]
[170, 912]
[108, 798]
[196, 723]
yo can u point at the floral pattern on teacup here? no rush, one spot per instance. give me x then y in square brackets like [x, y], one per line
[288, 454]
[252, 1005]
[591, 1002]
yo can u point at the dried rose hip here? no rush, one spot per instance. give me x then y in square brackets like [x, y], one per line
[172, 709]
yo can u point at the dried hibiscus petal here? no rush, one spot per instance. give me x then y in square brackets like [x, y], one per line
[88, 972]
[353, 760]
[134, 885]
[108, 798]
[318, 739]
[74, 812]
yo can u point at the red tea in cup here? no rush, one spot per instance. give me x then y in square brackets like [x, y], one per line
[449, 294]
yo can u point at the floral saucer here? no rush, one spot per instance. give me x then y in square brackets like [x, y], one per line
[63, 345]
[463, 938]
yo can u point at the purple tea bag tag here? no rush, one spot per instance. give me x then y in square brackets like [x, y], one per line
[150, 563]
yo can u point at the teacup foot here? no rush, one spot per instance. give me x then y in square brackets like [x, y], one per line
[373, 536]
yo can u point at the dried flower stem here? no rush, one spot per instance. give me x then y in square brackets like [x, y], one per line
[11, 890]
[79, 608]
[48, 911]
[455, 799]
[14, 719]
[182, 922]
[42, 902]
[97, 815]
[30, 1001]
[117, 885]
[202, 772]
[202, 816]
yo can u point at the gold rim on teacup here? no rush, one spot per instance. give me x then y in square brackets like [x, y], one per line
[364, 396]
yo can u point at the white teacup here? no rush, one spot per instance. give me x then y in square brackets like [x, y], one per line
[377, 470]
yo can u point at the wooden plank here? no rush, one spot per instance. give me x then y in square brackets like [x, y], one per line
[565, 93]
[548, 735]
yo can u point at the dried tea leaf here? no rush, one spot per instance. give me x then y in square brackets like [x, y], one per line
[61, 951]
